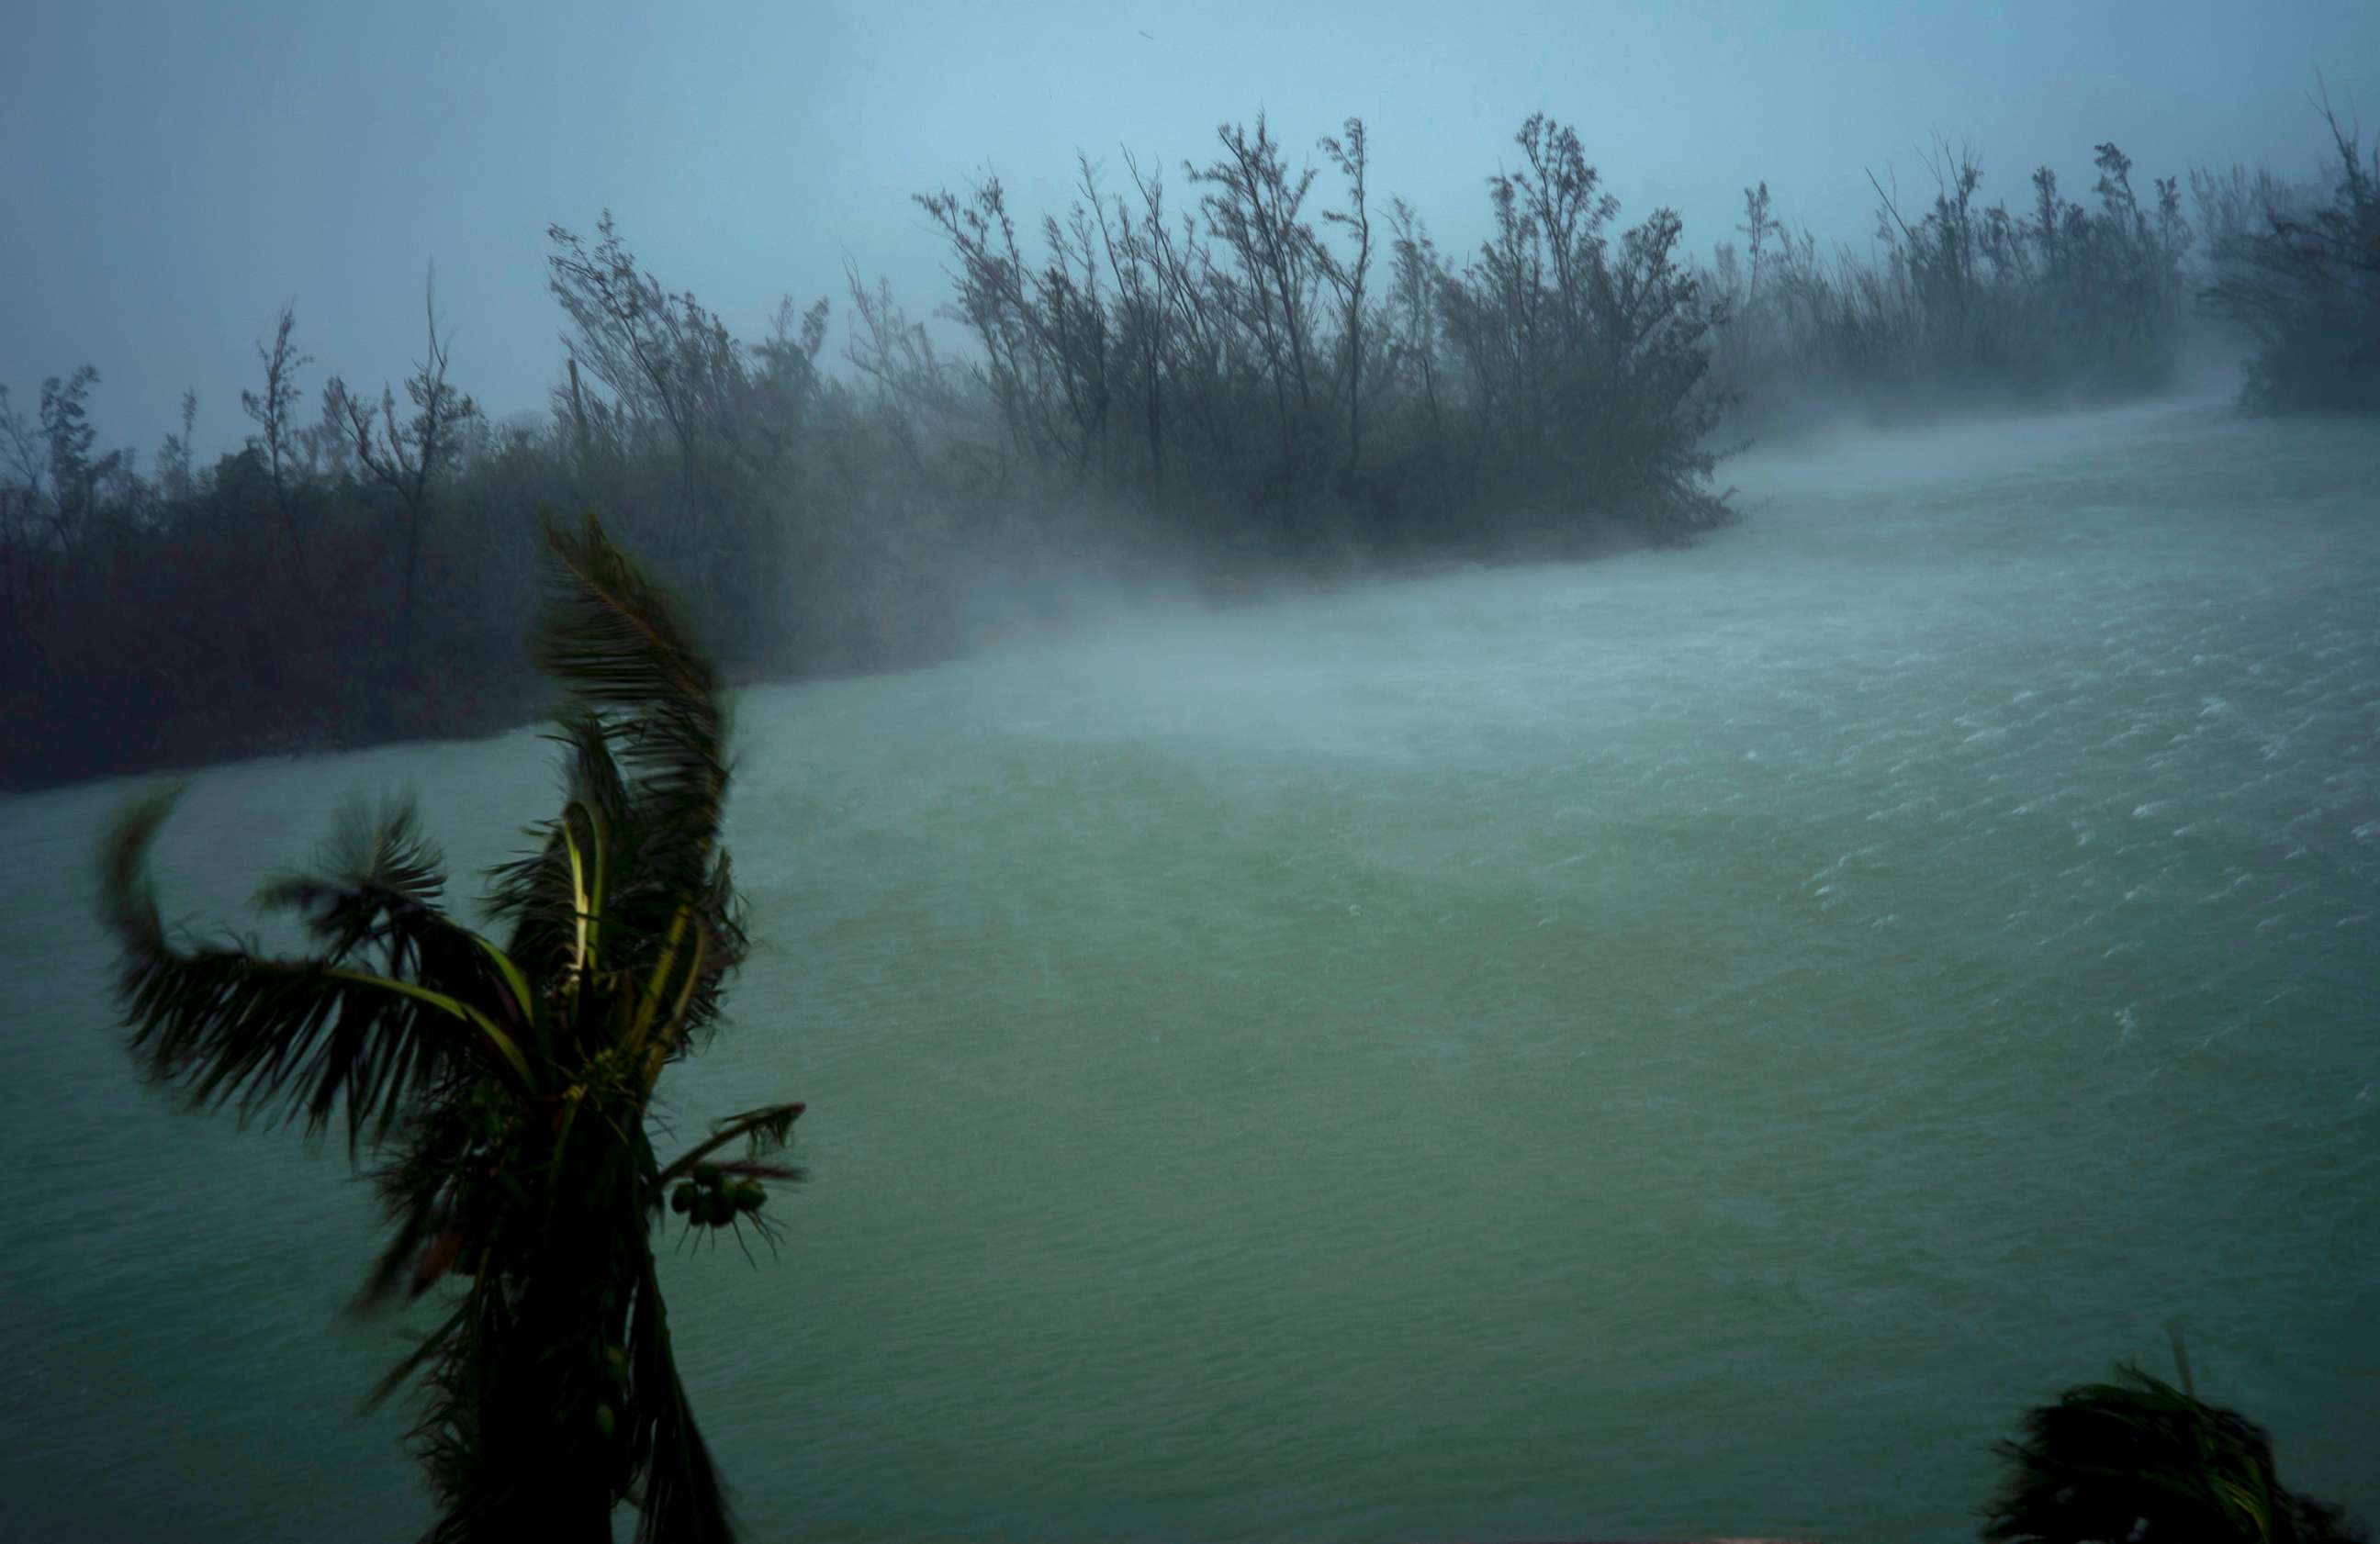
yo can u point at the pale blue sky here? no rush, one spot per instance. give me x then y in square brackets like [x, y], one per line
[171, 172]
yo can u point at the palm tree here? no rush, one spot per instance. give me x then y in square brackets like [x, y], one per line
[2139, 1459]
[510, 1086]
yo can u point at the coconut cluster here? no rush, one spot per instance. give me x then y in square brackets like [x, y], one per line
[711, 1198]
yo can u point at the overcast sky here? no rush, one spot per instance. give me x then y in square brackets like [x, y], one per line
[172, 171]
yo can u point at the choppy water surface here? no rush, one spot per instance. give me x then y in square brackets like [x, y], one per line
[1691, 1041]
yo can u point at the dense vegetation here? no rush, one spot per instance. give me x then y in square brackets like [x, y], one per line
[1967, 302]
[1268, 367]
[2301, 273]
[511, 1085]
[2139, 1460]
[1286, 393]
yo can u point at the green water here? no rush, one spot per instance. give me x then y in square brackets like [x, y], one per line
[1690, 1041]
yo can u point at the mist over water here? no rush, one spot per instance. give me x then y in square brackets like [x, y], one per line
[1687, 1042]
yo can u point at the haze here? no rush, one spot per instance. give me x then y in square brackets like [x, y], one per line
[1572, 773]
[175, 172]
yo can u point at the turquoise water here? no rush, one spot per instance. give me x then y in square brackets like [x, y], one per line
[1690, 1042]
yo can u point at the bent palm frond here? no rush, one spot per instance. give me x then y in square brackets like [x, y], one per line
[545, 894]
[645, 779]
[2110, 1460]
[375, 869]
[767, 1131]
[379, 892]
[287, 1038]
[615, 638]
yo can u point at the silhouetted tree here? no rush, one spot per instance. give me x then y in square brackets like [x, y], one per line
[1968, 300]
[2305, 285]
[1587, 365]
[1255, 207]
[174, 481]
[664, 357]
[76, 474]
[514, 1083]
[1351, 151]
[276, 435]
[2142, 1461]
[407, 458]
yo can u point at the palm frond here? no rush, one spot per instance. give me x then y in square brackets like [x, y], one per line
[684, 1502]
[425, 1194]
[536, 891]
[438, 1343]
[726, 942]
[422, 1223]
[374, 867]
[765, 1131]
[281, 1038]
[646, 778]
[2140, 1459]
[379, 890]
[617, 640]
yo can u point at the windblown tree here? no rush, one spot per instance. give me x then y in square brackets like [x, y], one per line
[1024, 370]
[1353, 155]
[510, 1085]
[2304, 282]
[1966, 300]
[1240, 367]
[1255, 206]
[1587, 363]
[2139, 1459]
[664, 357]
[650, 368]
[82, 486]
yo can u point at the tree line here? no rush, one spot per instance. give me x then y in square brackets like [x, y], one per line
[1264, 365]
[1966, 302]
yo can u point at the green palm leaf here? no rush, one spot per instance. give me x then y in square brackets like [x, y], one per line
[307, 1037]
[616, 640]
[644, 782]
